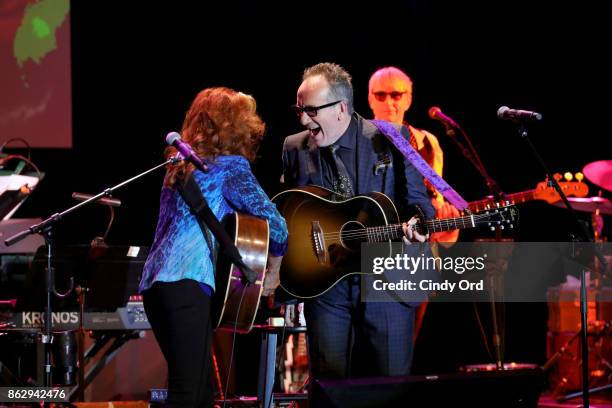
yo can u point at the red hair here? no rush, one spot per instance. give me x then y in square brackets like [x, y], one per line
[220, 121]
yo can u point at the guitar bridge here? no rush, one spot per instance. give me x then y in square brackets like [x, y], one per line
[318, 242]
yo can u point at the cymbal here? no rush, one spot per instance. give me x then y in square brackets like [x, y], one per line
[588, 204]
[599, 173]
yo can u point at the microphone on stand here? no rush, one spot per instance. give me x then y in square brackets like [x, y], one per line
[518, 116]
[174, 139]
[450, 125]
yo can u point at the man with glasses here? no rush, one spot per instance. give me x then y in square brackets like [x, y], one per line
[342, 151]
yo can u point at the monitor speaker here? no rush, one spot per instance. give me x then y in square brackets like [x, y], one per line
[501, 389]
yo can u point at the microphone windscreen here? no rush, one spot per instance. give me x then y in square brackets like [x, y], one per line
[172, 137]
[502, 111]
[434, 111]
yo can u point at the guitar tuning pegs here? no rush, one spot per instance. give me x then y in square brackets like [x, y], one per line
[568, 176]
[579, 176]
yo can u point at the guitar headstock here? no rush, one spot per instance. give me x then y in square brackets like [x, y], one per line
[545, 190]
[501, 216]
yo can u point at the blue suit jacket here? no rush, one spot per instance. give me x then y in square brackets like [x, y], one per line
[402, 183]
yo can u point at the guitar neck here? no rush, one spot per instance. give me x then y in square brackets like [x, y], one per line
[515, 198]
[446, 224]
[395, 231]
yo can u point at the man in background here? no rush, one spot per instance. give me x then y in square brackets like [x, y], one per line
[390, 97]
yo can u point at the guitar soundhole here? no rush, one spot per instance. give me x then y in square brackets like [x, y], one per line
[352, 234]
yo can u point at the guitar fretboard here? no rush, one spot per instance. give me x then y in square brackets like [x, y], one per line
[395, 231]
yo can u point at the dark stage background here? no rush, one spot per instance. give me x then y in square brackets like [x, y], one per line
[136, 66]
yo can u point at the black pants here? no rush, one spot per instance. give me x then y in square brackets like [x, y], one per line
[179, 313]
[351, 338]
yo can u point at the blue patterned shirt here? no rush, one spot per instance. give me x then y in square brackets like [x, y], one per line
[179, 250]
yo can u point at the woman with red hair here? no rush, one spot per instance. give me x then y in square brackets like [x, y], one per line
[223, 128]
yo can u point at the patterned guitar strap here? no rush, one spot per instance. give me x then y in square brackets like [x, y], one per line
[192, 195]
[404, 147]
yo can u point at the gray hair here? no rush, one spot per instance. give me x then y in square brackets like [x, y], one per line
[339, 80]
[388, 73]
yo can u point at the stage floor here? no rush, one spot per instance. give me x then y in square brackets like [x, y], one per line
[599, 400]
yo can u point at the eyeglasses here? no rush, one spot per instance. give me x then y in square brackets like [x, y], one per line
[312, 111]
[382, 96]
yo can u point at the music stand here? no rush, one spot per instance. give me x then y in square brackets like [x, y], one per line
[110, 275]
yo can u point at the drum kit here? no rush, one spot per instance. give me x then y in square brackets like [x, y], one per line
[600, 174]
[566, 375]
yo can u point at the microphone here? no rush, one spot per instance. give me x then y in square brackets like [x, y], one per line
[515, 115]
[436, 114]
[113, 202]
[174, 139]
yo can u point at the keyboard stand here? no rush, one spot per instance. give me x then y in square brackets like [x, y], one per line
[117, 339]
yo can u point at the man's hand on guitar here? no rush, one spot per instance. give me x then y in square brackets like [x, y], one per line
[272, 279]
[411, 234]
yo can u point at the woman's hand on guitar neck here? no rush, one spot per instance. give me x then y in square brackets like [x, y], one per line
[411, 234]
[272, 279]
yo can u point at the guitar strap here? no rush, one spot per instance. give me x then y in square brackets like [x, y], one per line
[191, 193]
[403, 145]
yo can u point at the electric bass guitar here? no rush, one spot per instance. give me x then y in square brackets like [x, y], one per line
[325, 236]
[543, 191]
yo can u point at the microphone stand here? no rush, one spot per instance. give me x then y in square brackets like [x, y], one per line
[45, 228]
[522, 129]
[472, 156]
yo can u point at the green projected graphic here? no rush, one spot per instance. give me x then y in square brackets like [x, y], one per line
[35, 37]
[35, 85]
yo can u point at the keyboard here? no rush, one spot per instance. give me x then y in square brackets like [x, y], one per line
[130, 317]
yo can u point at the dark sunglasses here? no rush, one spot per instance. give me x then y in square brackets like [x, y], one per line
[382, 96]
[312, 111]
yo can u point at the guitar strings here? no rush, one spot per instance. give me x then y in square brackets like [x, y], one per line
[391, 228]
[373, 231]
[466, 221]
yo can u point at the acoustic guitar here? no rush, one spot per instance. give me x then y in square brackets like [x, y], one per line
[325, 236]
[235, 302]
